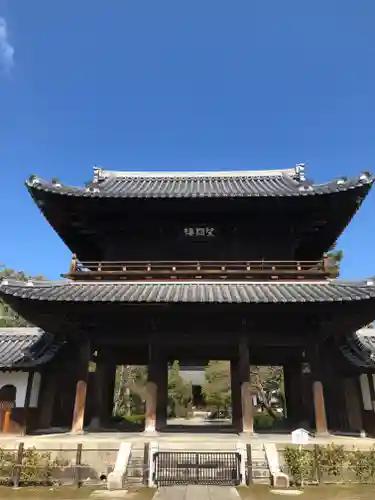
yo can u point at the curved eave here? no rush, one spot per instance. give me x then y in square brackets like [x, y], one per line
[359, 348]
[240, 186]
[26, 348]
[233, 292]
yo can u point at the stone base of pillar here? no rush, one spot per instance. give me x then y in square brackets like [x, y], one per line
[248, 434]
[94, 424]
[150, 433]
[322, 434]
[77, 433]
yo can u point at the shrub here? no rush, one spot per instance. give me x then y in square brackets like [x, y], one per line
[263, 421]
[135, 419]
[7, 460]
[329, 459]
[300, 463]
[362, 463]
[36, 467]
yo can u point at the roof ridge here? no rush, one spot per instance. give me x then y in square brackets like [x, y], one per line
[296, 173]
[64, 282]
[20, 331]
[194, 291]
[30, 282]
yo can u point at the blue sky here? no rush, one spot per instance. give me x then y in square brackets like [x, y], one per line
[204, 84]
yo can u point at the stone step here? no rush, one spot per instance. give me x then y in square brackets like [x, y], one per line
[135, 469]
[133, 479]
[260, 464]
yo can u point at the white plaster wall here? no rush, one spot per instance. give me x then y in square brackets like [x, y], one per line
[365, 389]
[19, 380]
[35, 390]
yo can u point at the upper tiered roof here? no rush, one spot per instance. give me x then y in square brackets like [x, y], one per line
[221, 184]
[126, 202]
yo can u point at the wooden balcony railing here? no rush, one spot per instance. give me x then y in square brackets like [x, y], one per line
[194, 270]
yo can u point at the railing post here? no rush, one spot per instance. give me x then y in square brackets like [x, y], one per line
[146, 465]
[73, 265]
[18, 466]
[77, 468]
[249, 465]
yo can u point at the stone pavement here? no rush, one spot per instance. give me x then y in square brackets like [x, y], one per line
[197, 493]
[112, 440]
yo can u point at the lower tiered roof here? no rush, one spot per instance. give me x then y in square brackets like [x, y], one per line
[359, 348]
[194, 292]
[23, 348]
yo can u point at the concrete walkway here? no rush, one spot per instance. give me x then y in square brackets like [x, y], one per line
[197, 493]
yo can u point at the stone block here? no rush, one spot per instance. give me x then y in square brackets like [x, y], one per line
[115, 479]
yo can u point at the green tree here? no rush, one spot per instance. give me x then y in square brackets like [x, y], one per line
[130, 389]
[335, 258]
[180, 392]
[216, 388]
[264, 380]
[8, 317]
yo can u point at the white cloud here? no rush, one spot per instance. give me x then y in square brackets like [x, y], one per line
[6, 50]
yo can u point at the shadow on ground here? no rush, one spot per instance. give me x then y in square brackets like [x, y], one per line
[329, 492]
[63, 493]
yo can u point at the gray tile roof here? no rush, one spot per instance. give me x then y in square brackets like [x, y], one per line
[359, 348]
[202, 291]
[25, 347]
[272, 183]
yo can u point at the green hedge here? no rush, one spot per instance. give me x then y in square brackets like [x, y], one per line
[263, 421]
[135, 419]
[330, 463]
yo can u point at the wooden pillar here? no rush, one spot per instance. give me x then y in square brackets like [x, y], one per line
[335, 398]
[288, 390]
[367, 392]
[81, 388]
[104, 379]
[319, 408]
[162, 395]
[293, 392]
[30, 380]
[151, 390]
[246, 393]
[150, 416]
[353, 405]
[156, 390]
[318, 393]
[7, 418]
[98, 381]
[307, 415]
[236, 395]
[371, 381]
[110, 381]
[47, 399]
